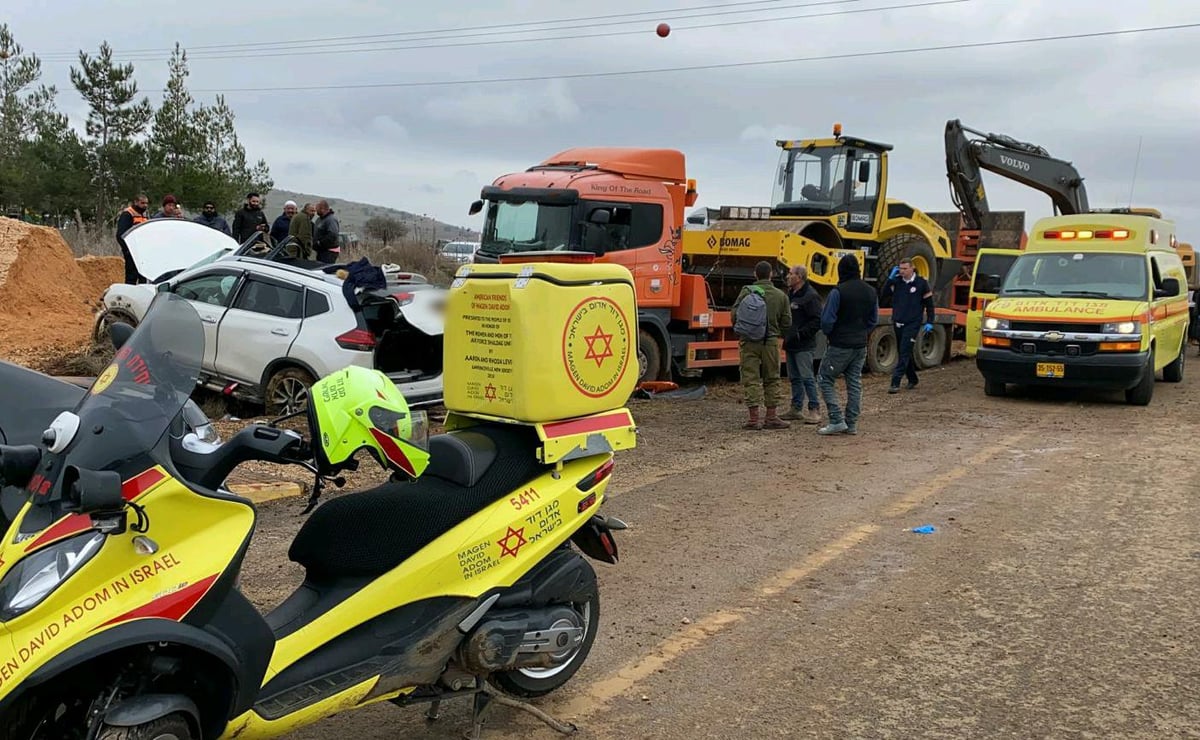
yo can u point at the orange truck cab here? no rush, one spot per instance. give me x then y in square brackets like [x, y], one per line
[622, 205]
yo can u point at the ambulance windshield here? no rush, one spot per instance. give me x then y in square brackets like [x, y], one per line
[1078, 275]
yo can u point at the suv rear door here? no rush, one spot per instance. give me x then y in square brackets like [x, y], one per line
[259, 327]
[991, 267]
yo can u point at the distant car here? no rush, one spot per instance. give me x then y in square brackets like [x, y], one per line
[272, 328]
[461, 252]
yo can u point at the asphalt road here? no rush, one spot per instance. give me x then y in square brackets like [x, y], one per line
[771, 584]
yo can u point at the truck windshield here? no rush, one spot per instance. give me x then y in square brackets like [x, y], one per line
[525, 227]
[811, 180]
[1078, 274]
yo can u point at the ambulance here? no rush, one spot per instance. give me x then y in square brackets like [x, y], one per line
[1095, 300]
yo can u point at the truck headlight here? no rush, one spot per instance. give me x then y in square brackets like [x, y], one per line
[33, 579]
[1122, 327]
[994, 323]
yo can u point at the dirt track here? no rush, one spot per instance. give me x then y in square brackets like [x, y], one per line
[770, 584]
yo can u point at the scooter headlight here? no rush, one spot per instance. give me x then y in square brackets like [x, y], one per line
[33, 579]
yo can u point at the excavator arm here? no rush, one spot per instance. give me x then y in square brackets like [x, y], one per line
[1028, 164]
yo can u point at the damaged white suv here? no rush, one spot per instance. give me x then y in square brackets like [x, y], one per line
[274, 325]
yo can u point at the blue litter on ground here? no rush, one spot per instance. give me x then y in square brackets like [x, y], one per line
[924, 529]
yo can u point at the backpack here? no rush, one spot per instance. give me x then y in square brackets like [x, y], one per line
[751, 323]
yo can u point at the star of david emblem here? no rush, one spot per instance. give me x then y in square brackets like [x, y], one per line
[489, 392]
[596, 338]
[512, 549]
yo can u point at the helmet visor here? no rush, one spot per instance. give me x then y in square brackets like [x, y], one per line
[410, 426]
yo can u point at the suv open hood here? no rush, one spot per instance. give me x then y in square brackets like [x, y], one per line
[172, 244]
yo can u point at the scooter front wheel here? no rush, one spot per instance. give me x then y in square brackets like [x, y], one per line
[171, 727]
[532, 682]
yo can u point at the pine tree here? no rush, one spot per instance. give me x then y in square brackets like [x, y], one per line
[20, 111]
[176, 142]
[114, 123]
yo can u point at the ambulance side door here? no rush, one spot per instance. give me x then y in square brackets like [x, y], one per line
[991, 267]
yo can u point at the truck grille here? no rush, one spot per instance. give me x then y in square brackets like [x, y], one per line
[1053, 326]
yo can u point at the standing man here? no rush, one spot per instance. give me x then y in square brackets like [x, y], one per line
[210, 218]
[851, 312]
[326, 233]
[170, 208]
[249, 219]
[301, 228]
[910, 293]
[279, 229]
[760, 318]
[800, 343]
[134, 214]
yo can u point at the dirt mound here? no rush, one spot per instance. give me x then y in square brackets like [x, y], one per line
[101, 272]
[45, 296]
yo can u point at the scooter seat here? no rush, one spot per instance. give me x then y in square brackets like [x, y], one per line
[369, 533]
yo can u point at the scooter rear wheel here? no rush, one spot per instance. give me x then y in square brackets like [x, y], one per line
[533, 682]
[171, 727]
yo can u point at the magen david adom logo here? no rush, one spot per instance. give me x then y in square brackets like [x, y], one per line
[596, 346]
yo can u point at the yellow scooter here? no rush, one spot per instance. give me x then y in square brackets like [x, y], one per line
[120, 612]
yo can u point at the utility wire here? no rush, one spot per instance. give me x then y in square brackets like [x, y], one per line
[723, 24]
[666, 14]
[704, 67]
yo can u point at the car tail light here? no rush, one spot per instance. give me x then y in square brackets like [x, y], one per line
[361, 340]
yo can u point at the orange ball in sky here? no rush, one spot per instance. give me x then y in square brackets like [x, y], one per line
[663, 29]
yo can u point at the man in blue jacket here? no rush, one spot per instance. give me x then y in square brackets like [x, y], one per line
[910, 294]
[851, 312]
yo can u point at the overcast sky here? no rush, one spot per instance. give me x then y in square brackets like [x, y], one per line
[430, 149]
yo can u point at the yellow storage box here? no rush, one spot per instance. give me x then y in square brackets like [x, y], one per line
[540, 342]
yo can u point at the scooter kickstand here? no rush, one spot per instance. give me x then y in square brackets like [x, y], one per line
[482, 703]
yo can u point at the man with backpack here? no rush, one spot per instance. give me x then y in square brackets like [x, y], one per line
[760, 317]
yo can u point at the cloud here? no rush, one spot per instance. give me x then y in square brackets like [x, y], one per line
[519, 106]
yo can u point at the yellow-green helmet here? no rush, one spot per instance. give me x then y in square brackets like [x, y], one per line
[355, 408]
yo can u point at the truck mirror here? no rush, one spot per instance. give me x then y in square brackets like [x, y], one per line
[864, 171]
[476, 207]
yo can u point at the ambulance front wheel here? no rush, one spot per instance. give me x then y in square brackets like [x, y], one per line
[171, 727]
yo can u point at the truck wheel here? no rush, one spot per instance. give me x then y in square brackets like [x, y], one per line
[994, 388]
[1173, 373]
[882, 351]
[1140, 394]
[649, 357]
[931, 347]
[906, 245]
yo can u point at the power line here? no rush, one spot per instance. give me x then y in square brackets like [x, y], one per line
[665, 14]
[723, 24]
[704, 67]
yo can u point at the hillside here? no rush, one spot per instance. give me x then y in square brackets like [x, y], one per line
[352, 215]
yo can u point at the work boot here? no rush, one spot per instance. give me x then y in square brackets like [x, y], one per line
[812, 416]
[795, 412]
[774, 421]
[753, 422]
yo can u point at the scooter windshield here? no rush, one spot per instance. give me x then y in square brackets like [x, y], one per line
[132, 404]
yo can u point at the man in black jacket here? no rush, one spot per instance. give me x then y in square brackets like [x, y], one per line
[250, 219]
[326, 234]
[910, 293]
[851, 312]
[800, 343]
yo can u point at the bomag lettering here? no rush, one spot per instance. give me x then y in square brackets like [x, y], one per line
[734, 241]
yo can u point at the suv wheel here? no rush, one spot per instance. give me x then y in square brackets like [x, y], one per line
[287, 391]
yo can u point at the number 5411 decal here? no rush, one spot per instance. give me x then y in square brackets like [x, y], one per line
[527, 497]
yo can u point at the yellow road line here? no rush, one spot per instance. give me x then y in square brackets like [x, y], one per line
[599, 694]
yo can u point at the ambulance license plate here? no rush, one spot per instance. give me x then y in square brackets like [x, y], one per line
[1050, 369]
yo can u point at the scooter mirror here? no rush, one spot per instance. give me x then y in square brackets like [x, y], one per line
[119, 333]
[92, 491]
